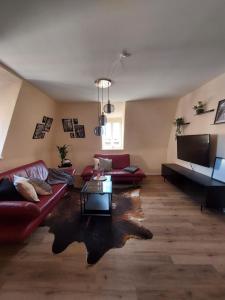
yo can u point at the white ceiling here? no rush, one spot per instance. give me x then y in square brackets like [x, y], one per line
[63, 46]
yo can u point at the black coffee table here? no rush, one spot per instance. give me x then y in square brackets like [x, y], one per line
[96, 197]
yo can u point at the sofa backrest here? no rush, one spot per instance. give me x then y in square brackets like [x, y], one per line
[119, 161]
[37, 169]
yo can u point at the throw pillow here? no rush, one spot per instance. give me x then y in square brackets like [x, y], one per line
[105, 164]
[8, 190]
[41, 187]
[96, 164]
[17, 179]
[27, 191]
[131, 169]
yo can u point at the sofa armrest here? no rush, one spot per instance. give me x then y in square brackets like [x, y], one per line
[18, 209]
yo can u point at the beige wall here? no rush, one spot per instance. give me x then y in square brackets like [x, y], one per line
[210, 93]
[9, 89]
[147, 128]
[19, 147]
[81, 150]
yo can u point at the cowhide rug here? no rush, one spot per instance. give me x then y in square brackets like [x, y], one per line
[99, 234]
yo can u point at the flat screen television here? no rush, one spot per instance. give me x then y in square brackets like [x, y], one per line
[194, 149]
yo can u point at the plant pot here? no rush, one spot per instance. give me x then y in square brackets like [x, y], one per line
[199, 111]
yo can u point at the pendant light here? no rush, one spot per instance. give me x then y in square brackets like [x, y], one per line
[102, 117]
[108, 108]
[98, 130]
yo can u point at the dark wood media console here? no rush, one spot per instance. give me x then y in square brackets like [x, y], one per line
[210, 192]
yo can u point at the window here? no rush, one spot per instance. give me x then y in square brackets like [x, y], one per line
[112, 138]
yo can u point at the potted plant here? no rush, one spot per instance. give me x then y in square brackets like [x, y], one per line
[63, 151]
[179, 122]
[199, 108]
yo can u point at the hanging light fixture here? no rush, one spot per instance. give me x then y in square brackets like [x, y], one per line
[98, 130]
[102, 117]
[109, 108]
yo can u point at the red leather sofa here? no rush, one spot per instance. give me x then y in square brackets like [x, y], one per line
[118, 175]
[18, 219]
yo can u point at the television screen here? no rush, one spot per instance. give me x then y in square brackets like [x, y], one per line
[194, 148]
[219, 169]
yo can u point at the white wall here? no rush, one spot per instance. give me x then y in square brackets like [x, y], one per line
[211, 93]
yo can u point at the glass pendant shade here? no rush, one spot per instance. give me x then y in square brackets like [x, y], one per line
[99, 130]
[102, 119]
[109, 108]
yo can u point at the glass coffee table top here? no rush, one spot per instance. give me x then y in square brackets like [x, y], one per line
[96, 197]
[98, 186]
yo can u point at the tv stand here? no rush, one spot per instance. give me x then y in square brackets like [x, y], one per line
[210, 192]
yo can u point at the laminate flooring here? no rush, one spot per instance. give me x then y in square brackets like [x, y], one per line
[184, 260]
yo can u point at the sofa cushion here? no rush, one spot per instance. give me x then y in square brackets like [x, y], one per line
[105, 164]
[8, 190]
[41, 187]
[131, 169]
[119, 161]
[27, 191]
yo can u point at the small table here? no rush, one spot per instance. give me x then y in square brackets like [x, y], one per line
[96, 197]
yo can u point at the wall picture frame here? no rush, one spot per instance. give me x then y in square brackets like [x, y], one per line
[220, 112]
[67, 125]
[79, 131]
[48, 123]
[39, 131]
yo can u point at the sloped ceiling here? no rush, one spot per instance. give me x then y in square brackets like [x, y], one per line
[63, 46]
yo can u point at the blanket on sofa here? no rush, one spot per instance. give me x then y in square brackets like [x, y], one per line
[56, 176]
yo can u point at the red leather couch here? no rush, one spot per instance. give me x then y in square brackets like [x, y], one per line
[119, 162]
[18, 219]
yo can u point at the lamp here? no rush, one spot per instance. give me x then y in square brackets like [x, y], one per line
[98, 130]
[109, 108]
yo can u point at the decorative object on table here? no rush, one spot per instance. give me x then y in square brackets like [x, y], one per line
[79, 131]
[99, 234]
[220, 113]
[39, 131]
[48, 123]
[63, 151]
[179, 122]
[199, 107]
[67, 125]
[219, 169]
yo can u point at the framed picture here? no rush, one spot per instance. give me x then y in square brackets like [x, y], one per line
[220, 113]
[219, 169]
[48, 123]
[67, 125]
[79, 131]
[75, 121]
[72, 135]
[44, 119]
[39, 131]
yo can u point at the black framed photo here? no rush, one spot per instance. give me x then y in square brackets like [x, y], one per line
[67, 125]
[79, 131]
[220, 113]
[39, 131]
[72, 135]
[75, 121]
[48, 124]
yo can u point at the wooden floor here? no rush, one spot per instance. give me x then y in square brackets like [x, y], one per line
[184, 260]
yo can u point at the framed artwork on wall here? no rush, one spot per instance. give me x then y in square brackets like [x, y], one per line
[79, 131]
[220, 113]
[39, 131]
[48, 123]
[67, 125]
